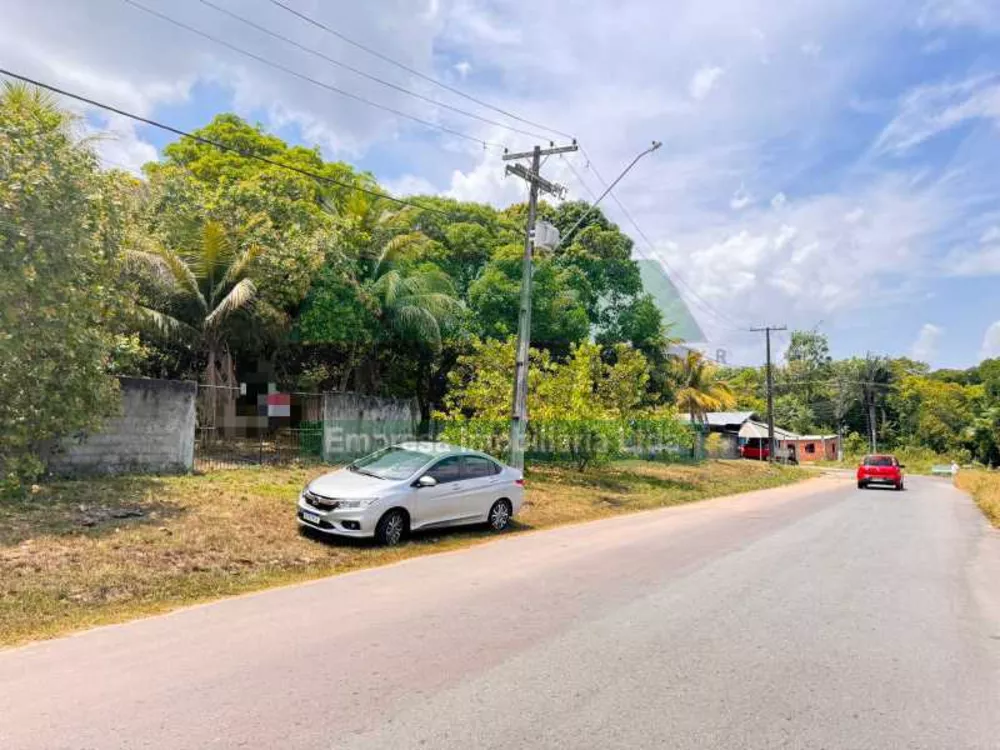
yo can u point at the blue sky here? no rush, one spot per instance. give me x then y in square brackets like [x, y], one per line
[825, 163]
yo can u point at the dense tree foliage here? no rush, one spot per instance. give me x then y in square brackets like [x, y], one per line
[218, 267]
[60, 315]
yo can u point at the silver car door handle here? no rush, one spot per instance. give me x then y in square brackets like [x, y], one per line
[456, 487]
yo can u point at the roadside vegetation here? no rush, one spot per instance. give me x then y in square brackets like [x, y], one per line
[895, 403]
[984, 486]
[916, 460]
[84, 553]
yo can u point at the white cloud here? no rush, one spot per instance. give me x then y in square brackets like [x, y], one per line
[811, 49]
[409, 184]
[990, 235]
[925, 347]
[780, 200]
[486, 183]
[855, 215]
[981, 14]
[463, 68]
[979, 261]
[741, 199]
[929, 110]
[704, 80]
[991, 342]
[935, 46]
[807, 261]
[118, 145]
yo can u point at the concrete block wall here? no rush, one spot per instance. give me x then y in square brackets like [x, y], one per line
[354, 425]
[154, 434]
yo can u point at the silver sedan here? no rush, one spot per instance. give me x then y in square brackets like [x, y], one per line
[412, 486]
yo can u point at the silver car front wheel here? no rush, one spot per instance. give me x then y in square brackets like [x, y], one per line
[391, 528]
[500, 515]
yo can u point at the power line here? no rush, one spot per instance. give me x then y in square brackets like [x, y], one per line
[413, 71]
[309, 79]
[579, 179]
[363, 74]
[220, 146]
[656, 145]
[730, 324]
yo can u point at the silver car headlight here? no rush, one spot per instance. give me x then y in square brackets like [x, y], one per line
[363, 502]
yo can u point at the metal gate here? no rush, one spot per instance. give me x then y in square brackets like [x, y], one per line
[253, 425]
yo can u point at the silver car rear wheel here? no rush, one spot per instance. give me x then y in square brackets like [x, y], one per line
[500, 515]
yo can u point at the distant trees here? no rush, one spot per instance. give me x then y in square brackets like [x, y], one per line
[894, 403]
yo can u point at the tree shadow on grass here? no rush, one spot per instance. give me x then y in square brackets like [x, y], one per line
[664, 483]
[614, 480]
[86, 507]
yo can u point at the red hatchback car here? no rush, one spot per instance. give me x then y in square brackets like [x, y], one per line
[882, 469]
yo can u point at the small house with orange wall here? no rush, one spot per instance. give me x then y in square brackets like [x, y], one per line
[789, 446]
[815, 447]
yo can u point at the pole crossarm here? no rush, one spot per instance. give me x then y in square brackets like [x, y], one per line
[542, 152]
[519, 170]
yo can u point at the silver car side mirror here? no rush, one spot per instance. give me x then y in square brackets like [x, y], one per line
[427, 481]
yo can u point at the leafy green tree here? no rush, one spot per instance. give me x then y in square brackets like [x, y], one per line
[747, 387]
[867, 382]
[810, 348]
[792, 413]
[558, 313]
[804, 381]
[854, 445]
[988, 373]
[935, 414]
[59, 309]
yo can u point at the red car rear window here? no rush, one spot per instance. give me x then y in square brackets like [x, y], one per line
[880, 461]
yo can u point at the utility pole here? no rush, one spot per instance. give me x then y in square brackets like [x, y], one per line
[770, 388]
[519, 409]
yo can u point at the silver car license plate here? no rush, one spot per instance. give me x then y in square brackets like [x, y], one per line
[310, 517]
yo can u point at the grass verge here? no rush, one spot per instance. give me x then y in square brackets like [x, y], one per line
[916, 460]
[984, 486]
[84, 553]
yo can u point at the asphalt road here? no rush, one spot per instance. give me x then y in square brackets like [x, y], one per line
[816, 616]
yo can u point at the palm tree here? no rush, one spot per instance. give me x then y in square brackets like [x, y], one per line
[202, 288]
[698, 389]
[408, 303]
[415, 304]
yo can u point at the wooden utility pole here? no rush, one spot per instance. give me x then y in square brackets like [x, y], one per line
[519, 409]
[770, 388]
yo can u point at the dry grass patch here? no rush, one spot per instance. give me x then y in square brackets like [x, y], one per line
[84, 553]
[984, 486]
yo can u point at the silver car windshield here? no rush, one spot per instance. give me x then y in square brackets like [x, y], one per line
[391, 463]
